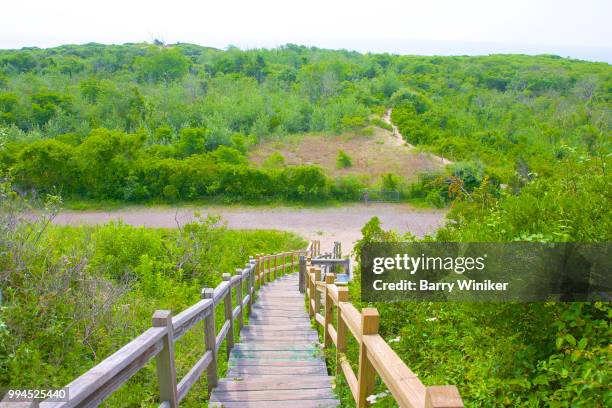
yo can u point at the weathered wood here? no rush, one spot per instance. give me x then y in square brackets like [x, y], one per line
[277, 364]
[274, 383]
[229, 317]
[367, 373]
[270, 370]
[100, 381]
[166, 371]
[222, 335]
[319, 403]
[443, 397]
[193, 375]
[239, 292]
[316, 295]
[273, 395]
[189, 317]
[302, 273]
[328, 314]
[211, 343]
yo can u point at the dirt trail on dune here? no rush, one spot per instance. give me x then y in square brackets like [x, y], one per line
[326, 224]
[401, 141]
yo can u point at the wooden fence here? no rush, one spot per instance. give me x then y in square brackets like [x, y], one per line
[90, 389]
[376, 357]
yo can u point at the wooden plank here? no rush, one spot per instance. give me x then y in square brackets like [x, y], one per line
[166, 370]
[270, 370]
[320, 403]
[190, 317]
[229, 315]
[272, 395]
[274, 383]
[276, 328]
[405, 386]
[210, 342]
[320, 319]
[341, 332]
[274, 346]
[333, 335]
[367, 373]
[350, 377]
[284, 336]
[298, 355]
[194, 374]
[121, 365]
[352, 318]
[278, 312]
[221, 336]
[241, 362]
[265, 305]
[220, 291]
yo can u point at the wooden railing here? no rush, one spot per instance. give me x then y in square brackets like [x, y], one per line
[376, 357]
[90, 389]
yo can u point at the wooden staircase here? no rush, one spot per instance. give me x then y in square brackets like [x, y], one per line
[278, 362]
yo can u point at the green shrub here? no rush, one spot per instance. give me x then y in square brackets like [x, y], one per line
[343, 160]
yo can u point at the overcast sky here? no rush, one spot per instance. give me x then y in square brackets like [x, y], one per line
[576, 28]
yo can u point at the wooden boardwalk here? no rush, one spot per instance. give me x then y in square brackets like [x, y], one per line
[278, 362]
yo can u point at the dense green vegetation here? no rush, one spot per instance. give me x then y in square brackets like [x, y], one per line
[512, 354]
[140, 122]
[74, 295]
[530, 138]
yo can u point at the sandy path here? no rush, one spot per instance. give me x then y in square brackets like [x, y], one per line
[401, 141]
[326, 224]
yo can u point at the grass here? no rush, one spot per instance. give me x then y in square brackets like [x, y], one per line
[372, 155]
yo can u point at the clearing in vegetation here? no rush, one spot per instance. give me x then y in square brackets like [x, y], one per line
[372, 154]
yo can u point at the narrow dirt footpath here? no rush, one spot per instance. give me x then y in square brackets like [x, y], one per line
[401, 141]
[326, 224]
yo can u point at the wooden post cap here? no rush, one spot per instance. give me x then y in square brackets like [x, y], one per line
[330, 278]
[207, 293]
[446, 396]
[226, 276]
[369, 320]
[343, 294]
[161, 318]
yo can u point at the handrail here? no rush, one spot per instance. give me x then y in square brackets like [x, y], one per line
[376, 357]
[91, 388]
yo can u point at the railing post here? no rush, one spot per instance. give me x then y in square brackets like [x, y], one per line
[166, 371]
[292, 266]
[275, 273]
[367, 373]
[239, 291]
[228, 314]
[329, 308]
[315, 293]
[210, 337]
[302, 273]
[258, 267]
[251, 284]
[443, 397]
[311, 291]
[343, 296]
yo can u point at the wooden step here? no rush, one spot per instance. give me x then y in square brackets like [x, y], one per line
[272, 395]
[320, 403]
[274, 382]
[244, 371]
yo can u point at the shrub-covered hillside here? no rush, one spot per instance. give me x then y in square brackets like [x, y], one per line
[137, 122]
